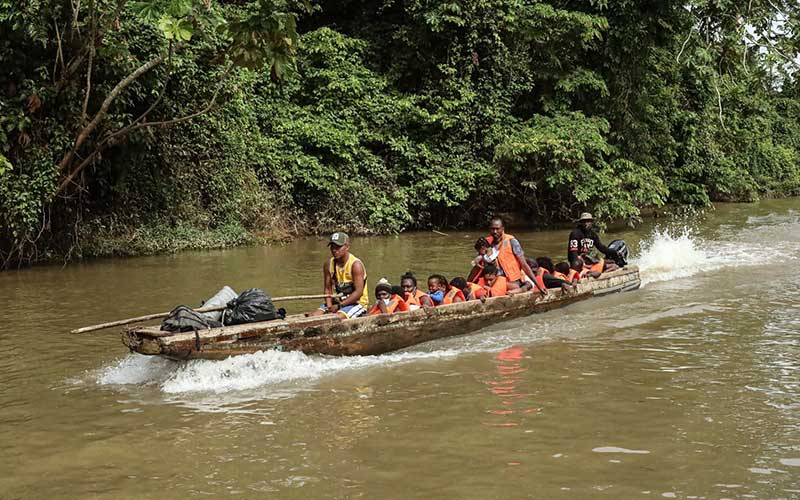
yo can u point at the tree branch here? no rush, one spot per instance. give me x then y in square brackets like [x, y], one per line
[101, 113]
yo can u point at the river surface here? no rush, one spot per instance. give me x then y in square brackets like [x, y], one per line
[686, 388]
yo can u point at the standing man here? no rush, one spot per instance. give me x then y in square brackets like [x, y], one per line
[510, 258]
[583, 238]
[344, 274]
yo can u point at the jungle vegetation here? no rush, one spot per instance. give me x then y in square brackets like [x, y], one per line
[142, 126]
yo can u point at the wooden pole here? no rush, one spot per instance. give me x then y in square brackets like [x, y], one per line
[148, 317]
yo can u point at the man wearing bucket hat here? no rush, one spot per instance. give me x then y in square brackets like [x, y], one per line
[583, 239]
[344, 274]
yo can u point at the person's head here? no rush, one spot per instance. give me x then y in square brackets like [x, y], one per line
[490, 274]
[587, 259]
[577, 264]
[339, 244]
[383, 291]
[496, 228]
[397, 290]
[437, 282]
[532, 263]
[409, 282]
[563, 267]
[459, 283]
[482, 246]
[546, 263]
[586, 220]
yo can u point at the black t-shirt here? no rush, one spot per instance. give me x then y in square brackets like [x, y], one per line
[582, 241]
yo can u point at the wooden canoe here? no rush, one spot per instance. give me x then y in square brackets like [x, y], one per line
[329, 334]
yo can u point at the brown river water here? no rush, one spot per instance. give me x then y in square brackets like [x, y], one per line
[686, 388]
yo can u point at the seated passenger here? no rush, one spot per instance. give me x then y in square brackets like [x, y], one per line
[471, 291]
[441, 292]
[549, 278]
[387, 302]
[575, 268]
[538, 275]
[496, 286]
[486, 255]
[596, 267]
[562, 270]
[414, 297]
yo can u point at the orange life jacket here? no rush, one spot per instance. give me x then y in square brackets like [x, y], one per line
[416, 299]
[598, 266]
[560, 276]
[507, 260]
[499, 288]
[573, 276]
[476, 291]
[395, 304]
[478, 275]
[452, 294]
[538, 277]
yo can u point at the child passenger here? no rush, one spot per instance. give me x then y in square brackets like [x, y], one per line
[441, 292]
[387, 301]
[496, 286]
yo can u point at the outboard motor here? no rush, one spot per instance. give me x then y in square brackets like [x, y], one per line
[619, 246]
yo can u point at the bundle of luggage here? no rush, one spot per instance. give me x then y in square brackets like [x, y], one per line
[250, 306]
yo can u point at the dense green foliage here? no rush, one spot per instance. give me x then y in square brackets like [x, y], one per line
[132, 127]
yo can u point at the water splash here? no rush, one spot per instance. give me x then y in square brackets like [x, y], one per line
[672, 254]
[243, 372]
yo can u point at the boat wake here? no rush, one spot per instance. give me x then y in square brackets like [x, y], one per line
[673, 254]
[243, 372]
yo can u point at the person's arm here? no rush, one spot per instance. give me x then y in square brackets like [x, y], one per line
[358, 282]
[572, 246]
[516, 249]
[382, 306]
[524, 288]
[599, 245]
[473, 274]
[426, 301]
[551, 281]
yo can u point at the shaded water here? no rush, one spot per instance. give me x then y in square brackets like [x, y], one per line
[687, 388]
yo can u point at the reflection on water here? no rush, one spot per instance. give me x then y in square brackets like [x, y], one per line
[687, 388]
[513, 403]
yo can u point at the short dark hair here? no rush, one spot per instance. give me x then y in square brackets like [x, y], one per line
[490, 269]
[459, 282]
[498, 218]
[409, 276]
[563, 267]
[439, 279]
[576, 263]
[545, 262]
[532, 263]
[482, 243]
[398, 290]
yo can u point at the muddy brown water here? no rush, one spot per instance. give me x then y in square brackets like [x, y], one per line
[686, 388]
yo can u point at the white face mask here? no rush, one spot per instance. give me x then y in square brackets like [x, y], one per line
[386, 301]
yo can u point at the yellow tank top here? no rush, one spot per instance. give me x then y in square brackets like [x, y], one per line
[344, 276]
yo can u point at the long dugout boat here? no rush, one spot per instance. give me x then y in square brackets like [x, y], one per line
[330, 334]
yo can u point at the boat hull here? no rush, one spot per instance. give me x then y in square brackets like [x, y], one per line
[331, 335]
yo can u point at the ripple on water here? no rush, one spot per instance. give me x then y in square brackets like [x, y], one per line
[616, 449]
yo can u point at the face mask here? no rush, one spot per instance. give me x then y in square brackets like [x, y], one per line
[386, 301]
[437, 296]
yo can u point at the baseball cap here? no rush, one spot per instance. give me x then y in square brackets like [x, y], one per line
[339, 238]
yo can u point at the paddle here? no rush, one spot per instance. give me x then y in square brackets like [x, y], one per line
[148, 317]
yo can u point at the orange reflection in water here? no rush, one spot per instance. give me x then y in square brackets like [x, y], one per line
[512, 403]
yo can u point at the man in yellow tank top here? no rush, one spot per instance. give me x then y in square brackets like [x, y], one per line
[344, 273]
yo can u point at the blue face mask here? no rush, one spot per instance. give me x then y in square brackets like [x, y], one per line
[437, 296]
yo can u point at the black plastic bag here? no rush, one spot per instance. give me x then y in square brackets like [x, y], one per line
[250, 306]
[184, 319]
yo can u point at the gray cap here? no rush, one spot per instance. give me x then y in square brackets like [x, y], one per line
[586, 216]
[339, 238]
